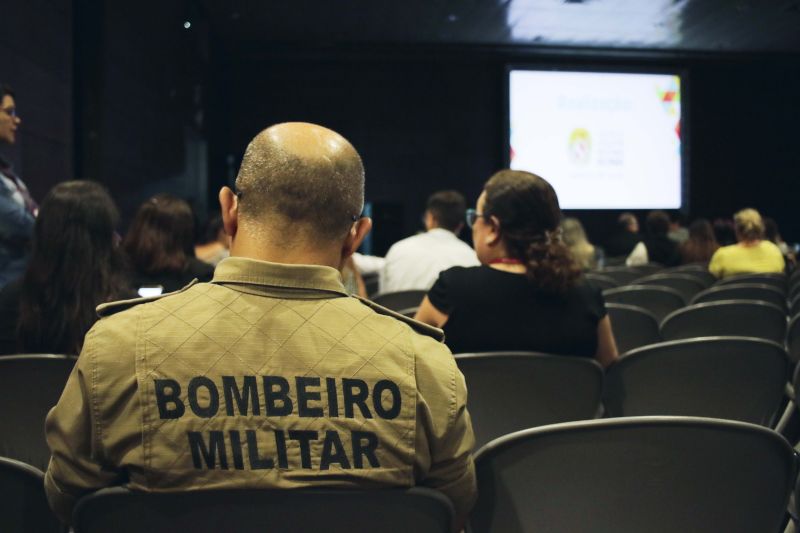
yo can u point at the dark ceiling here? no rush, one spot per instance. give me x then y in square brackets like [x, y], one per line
[671, 25]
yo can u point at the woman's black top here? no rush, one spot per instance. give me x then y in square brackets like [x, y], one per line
[173, 281]
[493, 310]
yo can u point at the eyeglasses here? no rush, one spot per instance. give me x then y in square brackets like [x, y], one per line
[472, 216]
[10, 111]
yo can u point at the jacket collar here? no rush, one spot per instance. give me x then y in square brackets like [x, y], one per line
[242, 271]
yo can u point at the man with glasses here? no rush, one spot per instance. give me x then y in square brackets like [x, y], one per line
[270, 376]
[17, 208]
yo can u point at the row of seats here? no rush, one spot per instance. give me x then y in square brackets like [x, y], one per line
[655, 474]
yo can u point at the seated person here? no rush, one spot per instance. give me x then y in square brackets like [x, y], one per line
[656, 247]
[270, 376]
[160, 245]
[622, 242]
[751, 254]
[574, 236]
[75, 265]
[700, 245]
[214, 245]
[527, 294]
[415, 262]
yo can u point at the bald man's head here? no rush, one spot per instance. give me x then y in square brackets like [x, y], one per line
[301, 177]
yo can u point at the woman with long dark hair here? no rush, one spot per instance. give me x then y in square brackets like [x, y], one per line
[160, 245]
[701, 244]
[527, 294]
[75, 265]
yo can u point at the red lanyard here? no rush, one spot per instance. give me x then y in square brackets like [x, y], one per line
[505, 261]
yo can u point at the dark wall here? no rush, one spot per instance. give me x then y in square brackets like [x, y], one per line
[421, 122]
[139, 86]
[36, 60]
[425, 121]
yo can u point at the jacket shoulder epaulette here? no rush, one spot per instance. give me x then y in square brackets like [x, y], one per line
[420, 327]
[111, 308]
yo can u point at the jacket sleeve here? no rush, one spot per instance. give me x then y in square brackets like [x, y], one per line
[446, 428]
[16, 223]
[72, 433]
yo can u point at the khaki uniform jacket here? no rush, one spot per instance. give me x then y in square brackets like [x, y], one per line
[270, 376]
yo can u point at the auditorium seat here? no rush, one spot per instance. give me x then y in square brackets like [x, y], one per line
[30, 385]
[699, 272]
[23, 505]
[118, 510]
[509, 391]
[397, 301]
[794, 305]
[685, 284]
[742, 291]
[622, 275]
[630, 475]
[745, 318]
[660, 301]
[600, 281]
[775, 280]
[633, 326]
[793, 339]
[371, 283]
[736, 378]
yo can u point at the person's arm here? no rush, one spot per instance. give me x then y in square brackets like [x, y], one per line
[446, 426]
[430, 315]
[16, 223]
[75, 467]
[716, 266]
[606, 345]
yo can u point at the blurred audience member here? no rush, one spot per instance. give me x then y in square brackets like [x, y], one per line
[677, 231]
[773, 234]
[75, 265]
[214, 245]
[656, 247]
[623, 241]
[414, 262]
[751, 254]
[352, 280]
[17, 208]
[701, 244]
[527, 295]
[574, 236]
[724, 231]
[160, 245]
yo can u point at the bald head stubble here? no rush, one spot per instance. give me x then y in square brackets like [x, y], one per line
[301, 180]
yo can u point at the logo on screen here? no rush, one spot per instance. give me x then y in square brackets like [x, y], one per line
[579, 149]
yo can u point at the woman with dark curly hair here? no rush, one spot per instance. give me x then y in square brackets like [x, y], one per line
[527, 294]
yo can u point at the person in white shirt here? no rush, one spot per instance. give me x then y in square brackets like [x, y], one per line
[415, 262]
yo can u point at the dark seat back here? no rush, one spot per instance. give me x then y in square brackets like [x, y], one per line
[685, 284]
[660, 301]
[633, 326]
[654, 474]
[30, 385]
[742, 291]
[700, 377]
[397, 301]
[742, 318]
[509, 391]
[23, 506]
[778, 281]
[119, 510]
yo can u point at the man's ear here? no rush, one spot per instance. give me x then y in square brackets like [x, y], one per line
[229, 204]
[358, 231]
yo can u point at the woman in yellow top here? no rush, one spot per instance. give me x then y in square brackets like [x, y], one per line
[752, 253]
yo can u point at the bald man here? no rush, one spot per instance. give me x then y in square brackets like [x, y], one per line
[270, 376]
